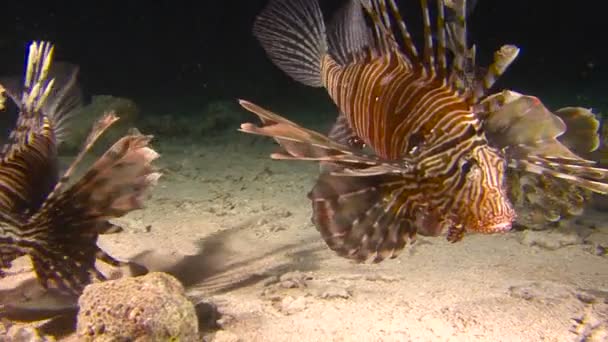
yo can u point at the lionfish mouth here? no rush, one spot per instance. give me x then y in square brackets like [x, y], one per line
[499, 227]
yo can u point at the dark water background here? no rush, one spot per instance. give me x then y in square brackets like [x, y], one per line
[183, 54]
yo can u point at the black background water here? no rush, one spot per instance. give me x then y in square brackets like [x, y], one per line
[155, 51]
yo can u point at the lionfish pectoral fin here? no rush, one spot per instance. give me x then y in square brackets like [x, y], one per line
[455, 234]
[64, 250]
[540, 200]
[64, 269]
[381, 169]
[579, 172]
[100, 126]
[303, 144]
[360, 217]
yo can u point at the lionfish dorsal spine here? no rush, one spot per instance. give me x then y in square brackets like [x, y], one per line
[442, 62]
[502, 60]
[37, 86]
[458, 33]
[429, 54]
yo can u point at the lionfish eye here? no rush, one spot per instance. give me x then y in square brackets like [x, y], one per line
[467, 165]
[356, 142]
[415, 142]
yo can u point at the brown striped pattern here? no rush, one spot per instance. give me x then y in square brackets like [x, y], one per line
[40, 215]
[433, 167]
[411, 112]
[28, 170]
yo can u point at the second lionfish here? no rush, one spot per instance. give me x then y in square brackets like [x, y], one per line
[419, 146]
[42, 214]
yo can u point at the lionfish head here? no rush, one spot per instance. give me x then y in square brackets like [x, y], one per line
[482, 204]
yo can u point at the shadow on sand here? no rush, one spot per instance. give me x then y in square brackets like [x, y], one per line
[215, 269]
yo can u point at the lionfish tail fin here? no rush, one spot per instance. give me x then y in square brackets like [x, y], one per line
[359, 217]
[292, 32]
[63, 245]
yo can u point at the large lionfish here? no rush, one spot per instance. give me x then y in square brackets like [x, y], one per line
[418, 147]
[41, 215]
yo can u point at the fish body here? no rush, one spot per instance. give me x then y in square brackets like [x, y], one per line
[432, 165]
[55, 223]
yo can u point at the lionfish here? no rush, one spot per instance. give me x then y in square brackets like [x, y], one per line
[42, 214]
[418, 147]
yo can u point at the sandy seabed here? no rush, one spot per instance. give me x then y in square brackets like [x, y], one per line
[234, 227]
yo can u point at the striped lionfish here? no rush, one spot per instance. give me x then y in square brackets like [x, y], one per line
[419, 146]
[55, 223]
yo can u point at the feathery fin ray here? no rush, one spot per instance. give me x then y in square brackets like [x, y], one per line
[55, 224]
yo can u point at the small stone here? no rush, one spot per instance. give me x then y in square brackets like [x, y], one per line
[290, 305]
[333, 292]
[25, 334]
[270, 281]
[586, 297]
[295, 279]
[283, 213]
[147, 308]
[547, 292]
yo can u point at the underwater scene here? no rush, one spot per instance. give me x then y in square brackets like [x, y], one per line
[303, 170]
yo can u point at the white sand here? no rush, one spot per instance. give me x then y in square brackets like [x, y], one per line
[238, 226]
